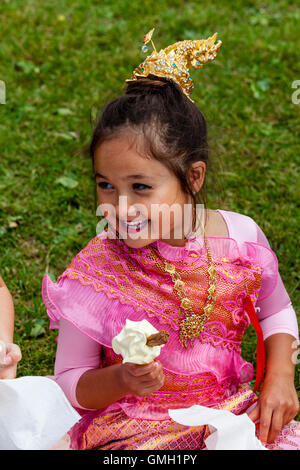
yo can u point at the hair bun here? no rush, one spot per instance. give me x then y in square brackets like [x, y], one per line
[148, 85]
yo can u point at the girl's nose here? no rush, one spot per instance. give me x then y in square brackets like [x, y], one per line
[128, 210]
[133, 212]
[125, 209]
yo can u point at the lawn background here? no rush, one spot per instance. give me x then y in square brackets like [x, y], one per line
[62, 61]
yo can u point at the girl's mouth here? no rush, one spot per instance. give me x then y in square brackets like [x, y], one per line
[134, 226]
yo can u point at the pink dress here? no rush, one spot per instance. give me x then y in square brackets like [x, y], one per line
[108, 282]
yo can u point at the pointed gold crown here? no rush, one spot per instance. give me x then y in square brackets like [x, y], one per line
[175, 60]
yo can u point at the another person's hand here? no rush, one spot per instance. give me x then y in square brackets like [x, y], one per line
[10, 355]
[142, 380]
[277, 405]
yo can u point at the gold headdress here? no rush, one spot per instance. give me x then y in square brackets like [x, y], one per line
[175, 61]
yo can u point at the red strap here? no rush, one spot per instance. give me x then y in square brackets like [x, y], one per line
[260, 347]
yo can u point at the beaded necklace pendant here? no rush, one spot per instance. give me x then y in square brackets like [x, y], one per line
[193, 324]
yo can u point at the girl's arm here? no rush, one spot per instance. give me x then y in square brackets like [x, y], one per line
[88, 386]
[10, 353]
[278, 401]
[6, 314]
[100, 388]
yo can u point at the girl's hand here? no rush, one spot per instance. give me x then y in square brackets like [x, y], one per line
[10, 355]
[142, 379]
[277, 405]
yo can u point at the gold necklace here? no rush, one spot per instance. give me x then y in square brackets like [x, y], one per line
[192, 325]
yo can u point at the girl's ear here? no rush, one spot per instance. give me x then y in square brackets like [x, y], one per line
[197, 175]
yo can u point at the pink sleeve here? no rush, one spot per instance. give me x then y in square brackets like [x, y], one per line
[76, 353]
[276, 313]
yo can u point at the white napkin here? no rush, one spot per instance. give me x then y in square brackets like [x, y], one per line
[34, 413]
[228, 431]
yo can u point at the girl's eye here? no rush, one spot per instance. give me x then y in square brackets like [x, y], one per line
[145, 186]
[137, 186]
[103, 185]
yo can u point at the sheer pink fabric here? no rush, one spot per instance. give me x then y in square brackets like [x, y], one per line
[89, 311]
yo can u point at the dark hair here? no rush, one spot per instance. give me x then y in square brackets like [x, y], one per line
[174, 130]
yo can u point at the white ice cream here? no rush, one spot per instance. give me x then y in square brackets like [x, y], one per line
[131, 342]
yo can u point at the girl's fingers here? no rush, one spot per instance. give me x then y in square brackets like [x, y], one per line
[14, 353]
[144, 379]
[254, 413]
[290, 413]
[8, 360]
[10, 354]
[264, 423]
[6, 357]
[2, 353]
[151, 377]
[154, 386]
[140, 370]
[276, 425]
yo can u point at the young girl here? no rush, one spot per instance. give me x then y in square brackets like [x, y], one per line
[149, 147]
[10, 353]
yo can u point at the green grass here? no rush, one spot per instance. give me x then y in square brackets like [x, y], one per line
[62, 60]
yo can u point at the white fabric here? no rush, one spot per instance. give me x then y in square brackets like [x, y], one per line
[34, 413]
[228, 431]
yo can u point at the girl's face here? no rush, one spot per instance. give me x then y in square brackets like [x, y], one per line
[139, 190]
